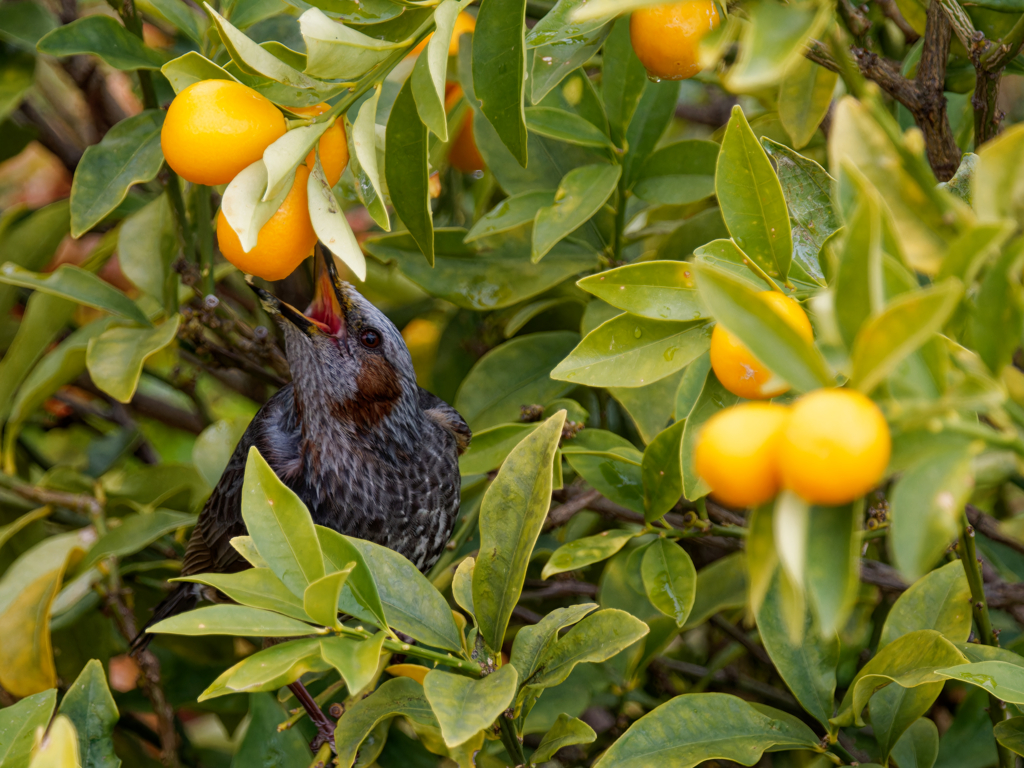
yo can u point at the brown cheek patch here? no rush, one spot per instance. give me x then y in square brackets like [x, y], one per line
[378, 391]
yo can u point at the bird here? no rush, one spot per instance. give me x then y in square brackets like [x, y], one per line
[370, 453]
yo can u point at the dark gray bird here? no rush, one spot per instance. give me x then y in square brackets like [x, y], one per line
[370, 453]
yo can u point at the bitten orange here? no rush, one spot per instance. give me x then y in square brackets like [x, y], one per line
[666, 37]
[736, 367]
[285, 240]
[216, 128]
[463, 153]
[737, 453]
[464, 22]
[835, 447]
[333, 144]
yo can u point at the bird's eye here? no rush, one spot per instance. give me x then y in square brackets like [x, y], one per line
[370, 338]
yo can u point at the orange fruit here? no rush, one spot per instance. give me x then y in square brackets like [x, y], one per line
[735, 365]
[666, 37]
[463, 153]
[333, 144]
[464, 22]
[216, 128]
[285, 240]
[835, 447]
[737, 453]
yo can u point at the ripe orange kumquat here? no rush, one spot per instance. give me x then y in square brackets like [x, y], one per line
[737, 453]
[285, 240]
[667, 37]
[333, 144]
[736, 367]
[216, 128]
[835, 447]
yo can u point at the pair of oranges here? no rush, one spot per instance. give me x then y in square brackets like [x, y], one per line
[831, 447]
[216, 128]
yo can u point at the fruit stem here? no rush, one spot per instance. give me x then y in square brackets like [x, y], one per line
[459, 665]
[204, 237]
[511, 740]
[969, 557]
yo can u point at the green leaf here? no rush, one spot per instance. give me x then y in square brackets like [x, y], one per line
[320, 600]
[773, 41]
[808, 667]
[9, 530]
[355, 660]
[499, 71]
[491, 446]
[580, 195]
[137, 532]
[585, 551]
[660, 290]
[255, 59]
[726, 255]
[243, 207]
[238, 620]
[269, 669]
[263, 745]
[246, 547]
[565, 126]
[364, 161]
[651, 406]
[22, 24]
[405, 169]
[490, 278]
[670, 579]
[998, 191]
[337, 51]
[330, 224]
[996, 309]
[564, 733]
[596, 638]
[629, 351]
[512, 375]
[751, 198]
[720, 586]
[678, 174]
[832, 567]
[91, 708]
[214, 446]
[765, 333]
[623, 80]
[410, 603]
[102, 36]
[971, 250]
[662, 472]
[462, 586]
[400, 696]
[179, 15]
[941, 600]
[464, 706]
[428, 74]
[18, 724]
[285, 154]
[927, 502]
[808, 191]
[510, 213]
[254, 587]
[859, 281]
[115, 358]
[338, 551]
[191, 68]
[128, 154]
[1001, 679]
[59, 746]
[615, 472]
[511, 516]
[918, 747]
[713, 398]
[149, 233]
[17, 73]
[804, 99]
[1010, 733]
[910, 661]
[78, 285]
[532, 643]
[280, 526]
[688, 730]
[552, 64]
[905, 324]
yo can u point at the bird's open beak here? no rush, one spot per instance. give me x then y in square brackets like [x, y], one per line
[326, 314]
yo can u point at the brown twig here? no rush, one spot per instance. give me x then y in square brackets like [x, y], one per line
[561, 514]
[892, 11]
[558, 589]
[76, 502]
[741, 637]
[729, 676]
[989, 526]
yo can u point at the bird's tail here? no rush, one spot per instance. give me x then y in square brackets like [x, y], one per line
[182, 598]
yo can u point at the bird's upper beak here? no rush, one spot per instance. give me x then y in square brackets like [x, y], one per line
[331, 302]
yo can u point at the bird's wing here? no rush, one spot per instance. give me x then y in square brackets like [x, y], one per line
[447, 417]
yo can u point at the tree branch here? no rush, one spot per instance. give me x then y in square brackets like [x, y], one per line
[892, 11]
[989, 526]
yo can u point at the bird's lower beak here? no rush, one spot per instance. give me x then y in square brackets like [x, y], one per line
[326, 314]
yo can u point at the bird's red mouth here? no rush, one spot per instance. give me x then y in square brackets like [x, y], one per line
[325, 311]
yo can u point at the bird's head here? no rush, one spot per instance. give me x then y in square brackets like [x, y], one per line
[349, 363]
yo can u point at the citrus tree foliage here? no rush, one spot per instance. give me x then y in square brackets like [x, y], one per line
[594, 606]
